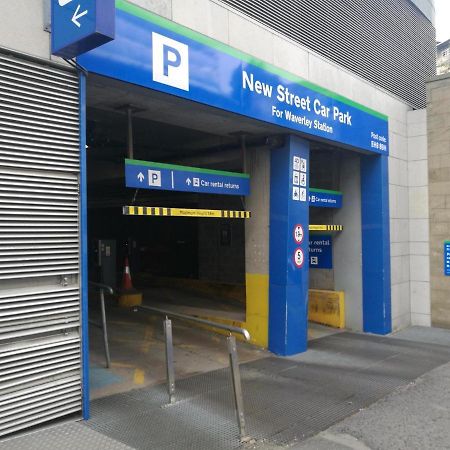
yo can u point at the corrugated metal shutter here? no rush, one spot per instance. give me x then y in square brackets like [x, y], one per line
[389, 42]
[40, 356]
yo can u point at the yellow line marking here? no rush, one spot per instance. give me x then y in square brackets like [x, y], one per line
[139, 376]
[185, 212]
[326, 227]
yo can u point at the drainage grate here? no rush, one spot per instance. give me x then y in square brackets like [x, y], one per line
[286, 399]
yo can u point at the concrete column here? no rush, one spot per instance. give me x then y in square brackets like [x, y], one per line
[419, 272]
[289, 240]
[257, 245]
[347, 245]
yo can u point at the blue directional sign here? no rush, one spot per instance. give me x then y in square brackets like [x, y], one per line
[81, 25]
[324, 198]
[170, 177]
[156, 53]
[320, 251]
[447, 258]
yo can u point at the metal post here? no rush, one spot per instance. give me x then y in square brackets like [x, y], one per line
[104, 328]
[130, 149]
[169, 360]
[237, 388]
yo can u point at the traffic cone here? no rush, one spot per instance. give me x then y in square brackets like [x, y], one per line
[127, 284]
[129, 296]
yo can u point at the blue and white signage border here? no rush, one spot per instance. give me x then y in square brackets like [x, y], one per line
[171, 177]
[173, 59]
[447, 258]
[81, 25]
[323, 198]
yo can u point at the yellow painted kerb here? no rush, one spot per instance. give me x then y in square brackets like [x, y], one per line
[327, 307]
[128, 300]
[257, 310]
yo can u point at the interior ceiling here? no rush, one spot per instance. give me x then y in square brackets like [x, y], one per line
[168, 129]
[156, 116]
[107, 94]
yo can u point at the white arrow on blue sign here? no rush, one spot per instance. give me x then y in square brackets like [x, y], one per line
[81, 25]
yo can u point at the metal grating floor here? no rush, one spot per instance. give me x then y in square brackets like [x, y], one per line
[286, 399]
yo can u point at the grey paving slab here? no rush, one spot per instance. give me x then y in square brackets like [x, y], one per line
[70, 436]
[427, 335]
[289, 403]
[413, 417]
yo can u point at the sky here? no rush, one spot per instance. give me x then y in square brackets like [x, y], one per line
[442, 20]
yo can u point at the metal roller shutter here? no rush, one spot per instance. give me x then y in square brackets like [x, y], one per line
[40, 355]
[388, 42]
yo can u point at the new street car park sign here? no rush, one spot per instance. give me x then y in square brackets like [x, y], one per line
[173, 59]
[81, 25]
[171, 177]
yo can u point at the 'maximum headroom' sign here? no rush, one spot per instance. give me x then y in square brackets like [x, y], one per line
[156, 53]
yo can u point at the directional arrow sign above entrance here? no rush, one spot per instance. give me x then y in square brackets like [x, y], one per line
[81, 25]
[170, 177]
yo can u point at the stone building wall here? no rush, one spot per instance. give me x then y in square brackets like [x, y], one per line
[438, 124]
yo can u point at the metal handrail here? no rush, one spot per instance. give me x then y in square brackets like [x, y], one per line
[232, 353]
[105, 287]
[220, 326]
[102, 288]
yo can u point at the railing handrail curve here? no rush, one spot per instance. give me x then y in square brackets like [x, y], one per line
[175, 315]
[101, 286]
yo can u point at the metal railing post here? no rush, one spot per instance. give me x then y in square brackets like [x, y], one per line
[237, 388]
[169, 360]
[104, 328]
[232, 352]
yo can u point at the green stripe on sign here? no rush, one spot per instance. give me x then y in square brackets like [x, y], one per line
[325, 191]
[137, 162]
[134, 10]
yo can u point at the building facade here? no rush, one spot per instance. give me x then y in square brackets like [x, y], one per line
[309, 100]
[438, 114]
[443, 57]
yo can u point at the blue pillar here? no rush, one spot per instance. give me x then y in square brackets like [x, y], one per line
[288, 248]
[376, 266]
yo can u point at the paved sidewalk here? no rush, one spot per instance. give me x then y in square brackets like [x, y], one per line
[349, 391]
[416, 416]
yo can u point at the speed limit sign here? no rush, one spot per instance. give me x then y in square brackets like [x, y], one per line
[299, 257]
[298, 234]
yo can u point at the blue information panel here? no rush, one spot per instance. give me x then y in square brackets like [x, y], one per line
[153, 52]
[169, 177]
[447, 258]
[288, 247]
[320, 251]
[81, 25]
[324, 198]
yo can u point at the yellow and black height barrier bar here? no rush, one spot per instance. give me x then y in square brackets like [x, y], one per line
[184, 212]
[326, 228]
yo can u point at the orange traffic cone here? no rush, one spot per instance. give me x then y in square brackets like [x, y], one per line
[129, 297]
[126, 280]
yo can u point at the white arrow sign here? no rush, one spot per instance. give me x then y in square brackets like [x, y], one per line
[141, 177]
[77, 15]
[188, 181]
[64, 2]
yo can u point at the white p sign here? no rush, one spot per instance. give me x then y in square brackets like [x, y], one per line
[154, 178]
[170, 62]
